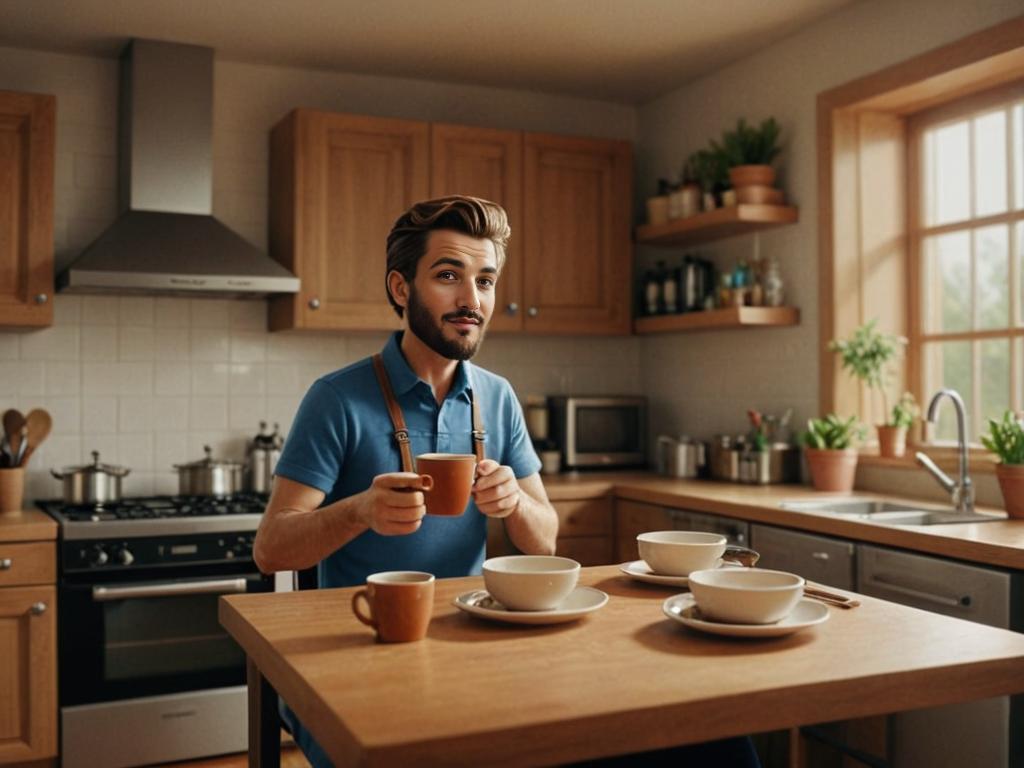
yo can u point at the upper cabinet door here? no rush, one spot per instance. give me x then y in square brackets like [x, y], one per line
[578, 254]
[487, 163]
[338, 183]
[26, 209]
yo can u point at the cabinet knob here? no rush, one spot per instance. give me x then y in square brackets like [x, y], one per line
[42, 298]
[314, 303]
[38, 609]
[533, 311]
[512, 308]
[5, 564]
[819, 555]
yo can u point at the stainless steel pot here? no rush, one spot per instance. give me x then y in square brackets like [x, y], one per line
[209, 476]
[92, 483]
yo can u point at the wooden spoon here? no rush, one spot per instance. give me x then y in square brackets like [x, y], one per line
[13, 422]
[39, 424]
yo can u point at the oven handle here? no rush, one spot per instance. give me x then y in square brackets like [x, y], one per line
[164, 589]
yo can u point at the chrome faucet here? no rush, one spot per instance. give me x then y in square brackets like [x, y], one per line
[962, 491]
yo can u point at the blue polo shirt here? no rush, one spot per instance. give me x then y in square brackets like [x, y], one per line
[342, 437]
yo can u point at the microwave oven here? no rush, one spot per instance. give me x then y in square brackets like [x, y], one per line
[603, 432]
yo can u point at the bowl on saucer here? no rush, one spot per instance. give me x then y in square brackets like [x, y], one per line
[530, 582]
[746, 595]
[677, 553]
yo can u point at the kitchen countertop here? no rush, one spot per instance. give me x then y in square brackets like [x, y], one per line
[999, 543]
[30, 525]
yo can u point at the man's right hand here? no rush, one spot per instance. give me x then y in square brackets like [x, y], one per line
[393, 504]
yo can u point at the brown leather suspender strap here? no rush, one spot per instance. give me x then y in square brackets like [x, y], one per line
[397, 421]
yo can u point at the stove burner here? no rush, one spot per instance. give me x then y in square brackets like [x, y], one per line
[160, 507]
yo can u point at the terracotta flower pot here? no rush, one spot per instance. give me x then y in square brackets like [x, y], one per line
[747, 175]
[759, 194]
[892, 441]
[1011, 482]
[832, 470]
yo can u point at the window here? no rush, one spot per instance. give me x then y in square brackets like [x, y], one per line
[966, 239]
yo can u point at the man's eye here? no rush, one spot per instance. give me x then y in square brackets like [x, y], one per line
[446, 275]
[486, 282]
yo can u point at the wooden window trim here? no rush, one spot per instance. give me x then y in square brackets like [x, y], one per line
[973, 65]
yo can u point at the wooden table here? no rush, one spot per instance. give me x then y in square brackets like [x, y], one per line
[622, 680]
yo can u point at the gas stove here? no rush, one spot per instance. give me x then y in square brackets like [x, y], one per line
[157, 516]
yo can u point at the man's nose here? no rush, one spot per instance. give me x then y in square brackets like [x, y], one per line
[469, 297]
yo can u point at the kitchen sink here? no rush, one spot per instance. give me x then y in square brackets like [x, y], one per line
[888, 512]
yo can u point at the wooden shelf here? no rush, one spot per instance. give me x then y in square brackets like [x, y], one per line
[719, 319]
[717, 224]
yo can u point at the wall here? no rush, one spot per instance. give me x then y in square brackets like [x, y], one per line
[149, 381]
[704, 383]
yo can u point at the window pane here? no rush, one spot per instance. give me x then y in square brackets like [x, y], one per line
[990, 163]
[1018, 239]
[991, 249]
[947, 283]
[948, 364]
[1018, 156]
[995, 381]
[947, 183]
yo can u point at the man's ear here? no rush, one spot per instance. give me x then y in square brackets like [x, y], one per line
[399, 288]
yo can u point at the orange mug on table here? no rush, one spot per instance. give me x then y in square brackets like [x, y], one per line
[400, 605]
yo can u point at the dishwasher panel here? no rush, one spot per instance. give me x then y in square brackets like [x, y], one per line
[982, 733]
[735, 531]
[816, 558]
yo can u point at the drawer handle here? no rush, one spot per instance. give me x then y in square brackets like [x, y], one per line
[38, 609]
[954, 602]
[6, 563]
[819, 555]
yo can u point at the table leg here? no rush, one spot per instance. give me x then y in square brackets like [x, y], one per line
[264, 723]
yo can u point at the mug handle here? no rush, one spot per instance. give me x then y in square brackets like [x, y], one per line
[366, 619]
[741, 556]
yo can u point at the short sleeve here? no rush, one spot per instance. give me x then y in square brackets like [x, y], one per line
[519, 455]
[314, 451]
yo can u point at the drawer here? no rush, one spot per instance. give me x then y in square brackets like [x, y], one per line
[584, 517]
[816, 558]
[28, 563]
[586, 550]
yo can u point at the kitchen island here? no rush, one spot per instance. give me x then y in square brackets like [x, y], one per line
[622, 680]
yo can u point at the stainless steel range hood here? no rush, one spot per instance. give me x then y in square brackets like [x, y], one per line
[165, 241]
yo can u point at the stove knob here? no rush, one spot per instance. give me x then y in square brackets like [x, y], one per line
[124, 557]
[98, 556]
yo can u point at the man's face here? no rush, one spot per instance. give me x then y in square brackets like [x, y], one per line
[451, 298]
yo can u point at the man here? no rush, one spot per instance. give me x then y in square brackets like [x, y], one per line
[342, 497]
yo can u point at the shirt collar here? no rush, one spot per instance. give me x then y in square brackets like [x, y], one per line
[403, 378]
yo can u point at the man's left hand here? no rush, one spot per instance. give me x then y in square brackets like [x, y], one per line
[496, 491]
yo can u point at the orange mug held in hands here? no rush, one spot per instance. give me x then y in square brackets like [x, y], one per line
[400, 605]
[452, 475]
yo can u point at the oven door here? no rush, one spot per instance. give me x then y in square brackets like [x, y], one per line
[146, 637]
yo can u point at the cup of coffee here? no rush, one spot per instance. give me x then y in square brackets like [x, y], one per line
[400, 604]
[452, 475]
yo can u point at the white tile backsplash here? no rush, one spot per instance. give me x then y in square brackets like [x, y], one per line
[99, 343]
[172, 313]
[97, 310]
[172, 344]
[209, 378]
[99, 415]
[136, 343]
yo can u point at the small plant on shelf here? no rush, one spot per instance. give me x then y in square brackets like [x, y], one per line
[1005, 439]
[748, 152]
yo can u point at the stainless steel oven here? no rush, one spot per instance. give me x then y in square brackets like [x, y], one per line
[146, 672]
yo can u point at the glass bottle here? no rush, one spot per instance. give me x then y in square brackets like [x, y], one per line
[774, 287]
[670, 291]
[652, 293]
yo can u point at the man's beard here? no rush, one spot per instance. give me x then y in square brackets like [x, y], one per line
[431, 333]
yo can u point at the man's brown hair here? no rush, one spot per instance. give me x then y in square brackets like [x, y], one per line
[473, 216]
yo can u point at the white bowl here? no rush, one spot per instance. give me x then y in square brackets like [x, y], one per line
[746, 595]
[530, 582]
[676, 553]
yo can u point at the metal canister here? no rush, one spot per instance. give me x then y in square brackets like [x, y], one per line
[209, 476]
[261, 461]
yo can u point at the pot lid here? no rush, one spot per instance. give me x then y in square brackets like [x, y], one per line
[97, 468]
[209, 462]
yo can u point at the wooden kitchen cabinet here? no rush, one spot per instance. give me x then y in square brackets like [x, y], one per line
[337, 184]
[633, 518]
[27, 131]
[577, 262]
[584, 532]
[28, 650]
[487, 163]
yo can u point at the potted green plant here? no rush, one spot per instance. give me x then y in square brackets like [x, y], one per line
[711, 172]
[866, 356]
[749, 151]
[1005, 439]
[831, 457]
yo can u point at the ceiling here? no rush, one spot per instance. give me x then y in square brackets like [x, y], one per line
[612, 50]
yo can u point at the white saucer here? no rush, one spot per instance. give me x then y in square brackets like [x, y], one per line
[807, 613]
[641, 571]
[579, 603]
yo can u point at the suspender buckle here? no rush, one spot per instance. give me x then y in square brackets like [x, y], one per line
[402, 435]
[480, 435]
